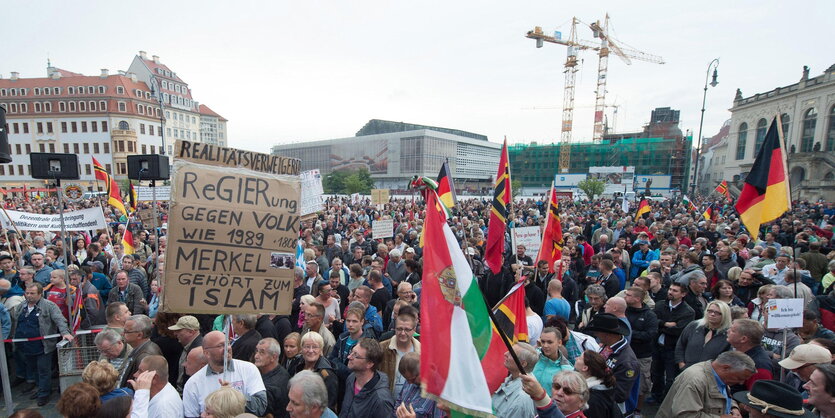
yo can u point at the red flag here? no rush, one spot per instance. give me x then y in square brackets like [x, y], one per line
[722, 189]
[510, 314]
[75, 310]
[502, 195]
[551, 248]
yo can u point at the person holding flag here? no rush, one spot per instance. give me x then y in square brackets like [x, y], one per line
[766, 193]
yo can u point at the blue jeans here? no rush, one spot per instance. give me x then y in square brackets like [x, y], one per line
[35, 369]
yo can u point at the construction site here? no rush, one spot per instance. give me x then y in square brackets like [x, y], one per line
[659, 149]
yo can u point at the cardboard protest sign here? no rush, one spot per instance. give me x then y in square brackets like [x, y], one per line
[382, 228]
[232, 230]
[379, 196]
[146, 216]
[530, 237]
[80, 220]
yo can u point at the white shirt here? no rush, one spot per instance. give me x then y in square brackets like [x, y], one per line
[534, 329]
[166, 403]
[772, 273]
[241, 375]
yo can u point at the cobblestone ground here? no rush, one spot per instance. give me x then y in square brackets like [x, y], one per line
[21, 401]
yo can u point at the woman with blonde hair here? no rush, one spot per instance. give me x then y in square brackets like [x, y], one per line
[104, 377]
[705, 338]
[226, 402]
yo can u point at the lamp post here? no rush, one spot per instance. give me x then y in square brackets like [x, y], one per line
[715, 65]
[157, 92]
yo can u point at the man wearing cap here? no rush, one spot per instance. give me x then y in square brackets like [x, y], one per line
[703, 389]
[611, 332]
[769, 398]
[187, 330]
[802, 362]
[641, 258]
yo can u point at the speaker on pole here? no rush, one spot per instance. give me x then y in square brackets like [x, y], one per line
[5, 149]
[148, 167]
[52, 166]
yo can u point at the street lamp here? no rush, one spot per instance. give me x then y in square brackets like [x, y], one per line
[715, 65]
[157, 92]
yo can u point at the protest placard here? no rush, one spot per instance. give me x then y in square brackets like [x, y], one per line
[233, 225]
[382, 228]
[312, 192]
[530, 237]
[80, 220]
[146, 216]
[379, 196]
[784, 313]
[146, 194]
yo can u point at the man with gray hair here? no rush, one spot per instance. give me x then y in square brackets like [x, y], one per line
[396, 267]
[244, 326]
[138, 336]
[704, 388]
[510, 400]
[112, 347]
[308, 396]
[274, 375]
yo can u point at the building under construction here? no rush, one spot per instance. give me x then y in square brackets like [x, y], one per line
[659, 149]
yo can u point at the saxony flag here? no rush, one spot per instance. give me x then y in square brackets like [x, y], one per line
[765, 195]
[461, 361]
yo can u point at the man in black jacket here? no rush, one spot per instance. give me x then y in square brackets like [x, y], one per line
[644, 330]
[673, 316]
[244, 326]
[275, 377]
[696, 296]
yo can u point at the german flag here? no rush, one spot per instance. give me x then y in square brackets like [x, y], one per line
[551, 248]
[765, 195]
[132, 198]
[446, 189]
[722, 189]
[643, 210]
[114, 197]
[710, 213]
[510, 314]
[494, 253]
[127, 242]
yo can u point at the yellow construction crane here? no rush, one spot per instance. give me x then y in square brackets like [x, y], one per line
[607, 44]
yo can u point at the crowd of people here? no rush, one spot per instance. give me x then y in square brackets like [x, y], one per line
[667, 309]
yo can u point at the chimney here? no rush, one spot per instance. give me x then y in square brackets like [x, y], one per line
[132, 77]
[143, 55]
[104, 73]
[14, 76]
[155, 58]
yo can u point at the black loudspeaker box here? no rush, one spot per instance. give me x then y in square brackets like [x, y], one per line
[52, 166]
[148, 167]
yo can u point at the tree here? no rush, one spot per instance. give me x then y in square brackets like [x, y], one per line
[591, 187]
[515, 188]
[334, 183]
[348, 182]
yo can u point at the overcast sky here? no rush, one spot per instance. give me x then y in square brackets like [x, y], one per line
[289, 71]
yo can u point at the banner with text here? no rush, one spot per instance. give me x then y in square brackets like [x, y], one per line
[382, 228]
[784, 313]
[530, 237]
[312, 191]
[146, 194]
[232, 230]
[79, 220]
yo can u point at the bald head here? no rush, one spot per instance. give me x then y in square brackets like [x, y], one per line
[616, 306]
[194, 361]
[213, 338]
[5, 285]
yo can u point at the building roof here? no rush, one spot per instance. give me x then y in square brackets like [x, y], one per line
[378, 126]
[65, 73]
[720, 136]
[158, 69]
[204, 110]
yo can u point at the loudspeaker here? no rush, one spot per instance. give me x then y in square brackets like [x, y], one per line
[148, 167]
[5, 149]
[52, 166]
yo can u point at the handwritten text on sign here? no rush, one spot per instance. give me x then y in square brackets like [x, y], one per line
[229, 229]
[530, 237]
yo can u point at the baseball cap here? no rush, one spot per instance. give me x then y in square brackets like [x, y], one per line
[410, 250]
[806, 354]
[185, 322]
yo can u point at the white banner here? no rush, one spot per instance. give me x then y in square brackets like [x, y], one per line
[80, 220]
[312, 192]
[383, 228]
[530, 237]
[784, 313]
[145, 194]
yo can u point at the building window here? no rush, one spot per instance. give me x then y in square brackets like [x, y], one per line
[95, 126]
[17, 148]
[75, 149]
[151, 130]
[40, 127]
[13, 108]
[49, 127]
[123, 125]
[807, 137]
[74, 126]
[830, 136]
[101, 89]
[107, 151]
[84, 126]
[25, 127]
[103, 106]
[24, 107]
[2, 170]
[37, 91]
[66, 148]
[86, 148]
[42, 147]
[140, 109]
[57, 90]
[92, 106]
[82, 106]
[37, 107]
[123, 107]
[142, 129]
[51, 147]
[62, 107]
[95, 147]
[144, 149]
[87, 169]
[120, 90]
[70, 90]
[130, 146]
[28, 149]
[47, 107]
[47, 91]
[72, 106]
[153, 149]
[107, 166]
[104, 126]
[741, 139]
[11, 167]
[762, 128]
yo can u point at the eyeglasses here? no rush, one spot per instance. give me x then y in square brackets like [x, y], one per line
[712, 312]
[403, 330]
[130, 332]
[356, 356]
[566, 390]
[310, 347]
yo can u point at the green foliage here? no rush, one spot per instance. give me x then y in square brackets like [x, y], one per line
[591, 187]
[515, 188]
[348, 182]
